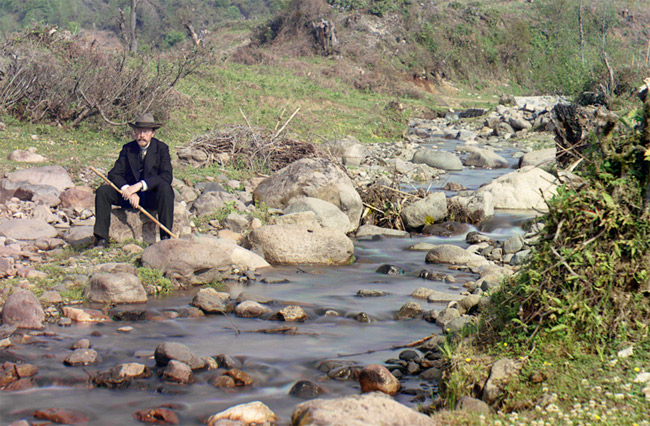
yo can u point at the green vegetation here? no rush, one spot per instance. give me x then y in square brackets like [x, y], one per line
[154, 279]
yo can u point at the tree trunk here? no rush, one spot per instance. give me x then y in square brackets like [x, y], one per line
[133, 45]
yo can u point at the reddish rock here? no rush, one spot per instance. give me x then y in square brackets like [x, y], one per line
[23, 310]
[62, 415]
[223, 382]
[20, 385]
[240, 378]
[375, 377]
[291, 313]
[7, 377]
[160, 416]
[80, 197]
[178, 372]
[26, 370]
[84, 315]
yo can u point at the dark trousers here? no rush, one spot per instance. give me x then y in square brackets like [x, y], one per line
[161, 199]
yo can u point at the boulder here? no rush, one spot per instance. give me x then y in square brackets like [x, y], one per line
[349, 150]
[311, 177]
[211, 301]
[439, 159]
[473, 208]
[213, 201]
[523, 189]
[484, 158]
[168, 351]
[431, 209]
[78, 235]
[252, 413]
[327, 214]
[501, 372]
[372, 230]
[188, 262]
[375, 377]
[251, 309]
[129, 224]
[295, 244]
[543, 158]
[26, 156]
[55, 176]
[80, 197]
[23, 310]
[358, 410]
[120, 287]
[27, 229]
[454, 255]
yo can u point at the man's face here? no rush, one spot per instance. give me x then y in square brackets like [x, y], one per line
[143, 136]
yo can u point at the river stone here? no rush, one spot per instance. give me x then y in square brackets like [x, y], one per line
[358, 410]
[27, 229]
[168, 351]
[244, 296]
[372, 230]
[523, 189]
[327, 214]
[23, 310]
[228, 362]
[291, 313]
[78, 235]
[78, 197]
[376, 377]
[178, 372]
[454, 255]
[431, 374]
[518, 122]
[240, 378]
[447, 315]
[484, 158]
[211, 301]
[295, 244]
[127, 224]
[120, 287]
[115, 268]
[473, 208]
[81, 357]
[61, 416]
[431, 209]
[470, 303]
[513, 244]
[223, 382]
[439, 159]
[235, 222]
[472, 405]
[158, 416]
[311, 177]
[251, 309]
[543, 158]
[250, 413]
[370, 293]
[501, 372]
[55, 176]
[304, 389]
[455, 325]
[408, 311]
[84, 314]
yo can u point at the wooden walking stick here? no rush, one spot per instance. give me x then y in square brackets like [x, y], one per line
[146, 213]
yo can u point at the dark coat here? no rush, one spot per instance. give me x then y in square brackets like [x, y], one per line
[157, 165]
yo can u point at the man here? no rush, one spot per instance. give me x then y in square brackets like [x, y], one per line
[143, 172]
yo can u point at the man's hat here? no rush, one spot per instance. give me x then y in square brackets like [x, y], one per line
[145, 121]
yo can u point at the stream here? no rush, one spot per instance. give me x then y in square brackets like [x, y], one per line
[275, 361]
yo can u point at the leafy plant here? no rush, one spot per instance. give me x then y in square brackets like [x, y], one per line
[153, 278]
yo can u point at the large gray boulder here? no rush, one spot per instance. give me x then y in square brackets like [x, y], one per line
[523, 189]
[484, 158]
[543, 158]
[327, 214]
[120, 287]
[131, 224]
[311, 177]
[55, 176]
[358, 410]
[213, 201]
[439, 159]
[27, 229]
[23, 310]
[473, 208]
[200, 260]
[454, 255]
[431, 209]
[299, 244]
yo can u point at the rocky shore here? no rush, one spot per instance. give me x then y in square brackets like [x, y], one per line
[309, 212]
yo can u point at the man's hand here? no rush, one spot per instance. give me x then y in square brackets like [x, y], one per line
[134, 199]
[131, 190]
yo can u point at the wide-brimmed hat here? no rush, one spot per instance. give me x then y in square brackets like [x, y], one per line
[145, 121]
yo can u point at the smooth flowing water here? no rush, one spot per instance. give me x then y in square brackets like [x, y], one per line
[275, 361]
